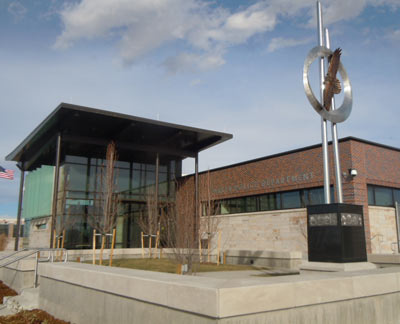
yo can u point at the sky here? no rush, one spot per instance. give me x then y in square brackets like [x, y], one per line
[233, 66]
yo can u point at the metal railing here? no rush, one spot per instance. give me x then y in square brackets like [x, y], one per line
[53, 255]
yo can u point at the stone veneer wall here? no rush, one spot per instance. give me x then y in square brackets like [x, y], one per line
[375, 164]
[39, 238]
[383, 229]
[278, 230]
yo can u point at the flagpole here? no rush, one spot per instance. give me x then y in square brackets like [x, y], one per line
[20, 197]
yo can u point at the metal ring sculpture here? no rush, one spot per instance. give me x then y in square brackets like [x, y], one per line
[343, 112]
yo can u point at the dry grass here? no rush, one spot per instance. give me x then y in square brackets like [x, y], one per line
[169, 266]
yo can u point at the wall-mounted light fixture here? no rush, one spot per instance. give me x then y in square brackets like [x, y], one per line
[353, 172]
[350, 174]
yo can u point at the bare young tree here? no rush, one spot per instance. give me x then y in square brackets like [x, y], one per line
[208, 222]
[180, 221]
[149, 218]
[105, 207]
[64, 218]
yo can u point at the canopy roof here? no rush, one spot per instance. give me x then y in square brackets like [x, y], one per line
[86, 132]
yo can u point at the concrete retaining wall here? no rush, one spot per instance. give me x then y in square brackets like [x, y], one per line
[83, 293]
[270, 259]
[19, 275]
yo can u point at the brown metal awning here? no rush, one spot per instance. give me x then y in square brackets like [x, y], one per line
[86, 132]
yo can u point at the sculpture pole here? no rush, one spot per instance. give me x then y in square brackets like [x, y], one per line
[324, 129]
[335, 142]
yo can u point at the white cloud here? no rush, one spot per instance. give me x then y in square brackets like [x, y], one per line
[393, 35]
[279, 42]
[17, 10]
[204, 32]
[190, 61]
[145, 25]
[195, 82]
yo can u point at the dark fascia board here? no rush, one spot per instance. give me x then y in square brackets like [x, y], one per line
[306, 148]
[19, 149]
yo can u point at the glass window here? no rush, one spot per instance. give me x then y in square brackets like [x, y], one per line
[77, 177]
[278, 204]
[383, 196]
[136, 166]
[122, 164]
[291, 199]
[150, 178]
[123, 179]
[316, 196]
[251, 204]
[371, 197]
[265, 202]
[151, 167]
[332, 193]
[237, 205]
[75, 194]
[76, 159]
[396, 194]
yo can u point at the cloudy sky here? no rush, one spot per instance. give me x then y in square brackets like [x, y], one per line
[226, 65]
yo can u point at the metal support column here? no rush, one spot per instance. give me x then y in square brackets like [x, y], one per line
[324, 130]
[196, 190]
[157, 180]
[20, 197]
[397, 211]
[55, 190]
[335, 142]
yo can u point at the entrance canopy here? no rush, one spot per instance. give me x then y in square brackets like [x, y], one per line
[86, 131]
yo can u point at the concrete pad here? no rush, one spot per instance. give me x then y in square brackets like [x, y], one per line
[393, 259]
[336, 267]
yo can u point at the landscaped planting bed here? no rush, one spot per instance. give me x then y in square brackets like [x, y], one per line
[168, 265]
[6, 291]
[35, 316]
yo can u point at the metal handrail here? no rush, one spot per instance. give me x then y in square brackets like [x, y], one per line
[37, 260]
[11, 254]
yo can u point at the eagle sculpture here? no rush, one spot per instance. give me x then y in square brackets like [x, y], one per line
[332, 84]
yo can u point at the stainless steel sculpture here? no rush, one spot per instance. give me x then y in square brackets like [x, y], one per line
[323, 52]
[343, 112]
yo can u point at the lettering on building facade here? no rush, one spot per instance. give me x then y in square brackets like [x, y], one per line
[264, 183]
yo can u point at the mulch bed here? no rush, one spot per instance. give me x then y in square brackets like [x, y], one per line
[6, 291]
[35, 316]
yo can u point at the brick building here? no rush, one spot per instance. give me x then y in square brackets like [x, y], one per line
[260, 204]
[255, 205]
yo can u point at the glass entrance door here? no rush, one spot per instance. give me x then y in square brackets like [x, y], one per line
[128, 229]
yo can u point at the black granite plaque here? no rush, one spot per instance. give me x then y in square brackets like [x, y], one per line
[336, 233]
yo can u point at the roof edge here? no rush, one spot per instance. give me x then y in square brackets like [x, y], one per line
[306, 148]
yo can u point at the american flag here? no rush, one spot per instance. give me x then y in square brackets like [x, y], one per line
[6, 174]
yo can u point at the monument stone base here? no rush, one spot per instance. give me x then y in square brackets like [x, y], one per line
[336, 233]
